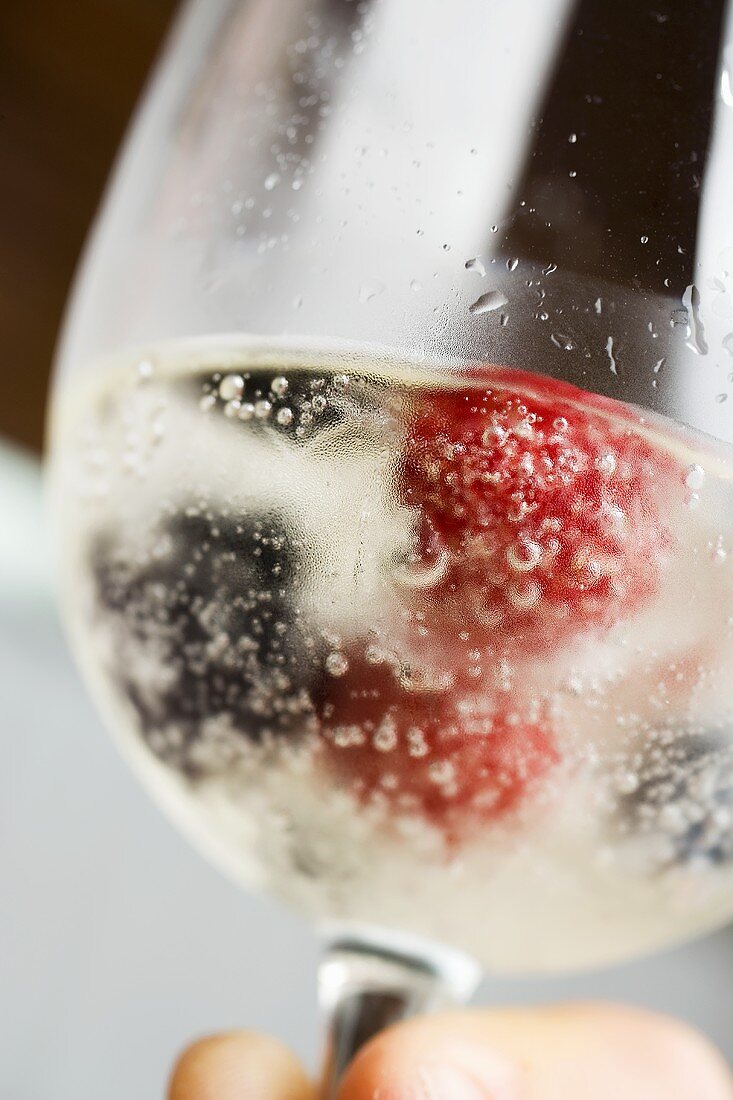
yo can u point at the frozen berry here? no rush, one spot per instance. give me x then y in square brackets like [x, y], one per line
[442, 752]
[537, 518]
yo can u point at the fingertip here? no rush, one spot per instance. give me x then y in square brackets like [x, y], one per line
[237, 1065]
[419, 1061]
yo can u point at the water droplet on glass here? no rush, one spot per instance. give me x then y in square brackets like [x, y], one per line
[565, 343]
[721, 397]
[145, 369]
[262, 409]
[572, 173]
[415, 285]
[272, 181]
[284, 417]
[486, 303]
[695, 476]
[572, 138]
[367, 291]
[691, 300]
[609, 353]
[207, 402]
[475, 264]
[598, 306]
[246, 411]
[644, 239]
[512, 264]
[232, 408]
[726, 77]
[728, 343]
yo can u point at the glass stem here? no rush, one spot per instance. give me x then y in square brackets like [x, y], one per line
[368, 982]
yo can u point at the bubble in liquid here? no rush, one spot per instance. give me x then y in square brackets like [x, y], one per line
[336, 664]
[487, 303]
[231, 387]
[606, 464]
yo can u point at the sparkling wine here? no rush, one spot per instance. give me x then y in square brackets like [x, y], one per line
[446, 651]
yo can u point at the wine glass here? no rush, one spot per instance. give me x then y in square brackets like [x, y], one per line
[392, 477]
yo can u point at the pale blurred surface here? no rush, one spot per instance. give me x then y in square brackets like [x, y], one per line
[117, 942]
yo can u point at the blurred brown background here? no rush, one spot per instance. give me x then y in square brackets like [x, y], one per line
[70, 73]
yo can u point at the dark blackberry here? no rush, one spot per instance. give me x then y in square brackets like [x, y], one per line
[211, 651]
[684, 795]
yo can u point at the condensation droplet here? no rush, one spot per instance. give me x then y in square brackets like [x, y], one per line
[598, 306]
[726, 79]
[231, 409]
[475, 264]
[246, 411]
[207, 402]
[368, 291]
[512, 264]
[487, 303]
[727, 343]
[691, 301]
[284, 417]
[262, 410]
[695, 476]
[565, 343]
[611, 357]
[272, 181]
[279, 385]
[572, 138]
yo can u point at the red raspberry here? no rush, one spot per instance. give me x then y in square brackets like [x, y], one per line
[539, 513]
[449, 755]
